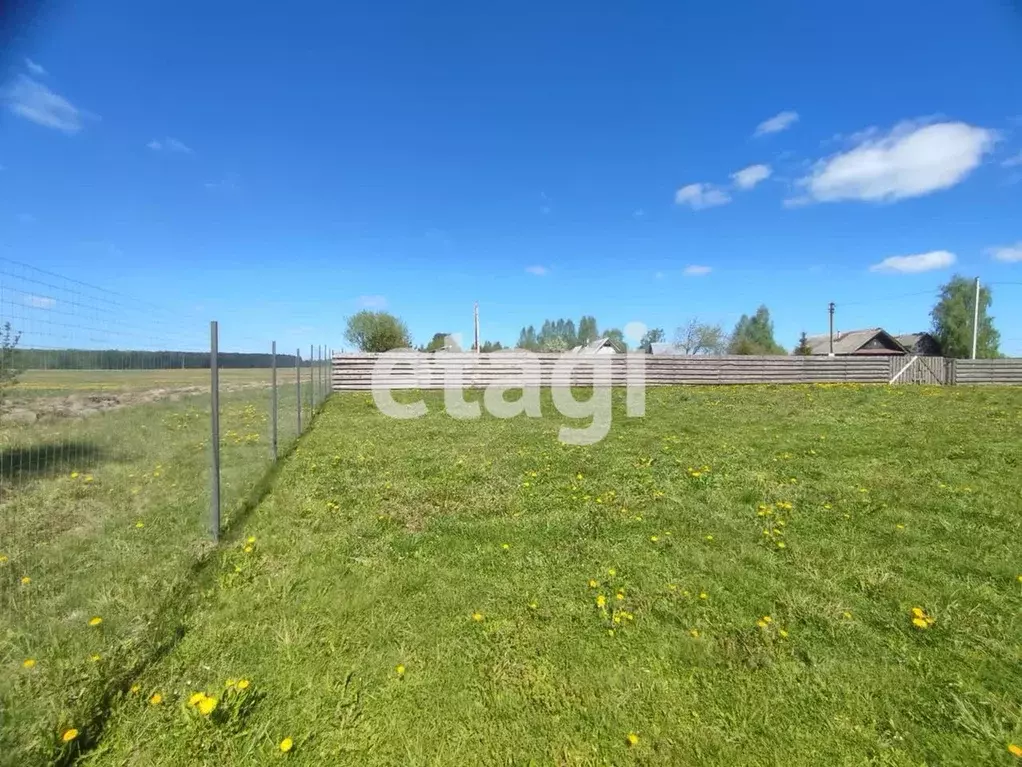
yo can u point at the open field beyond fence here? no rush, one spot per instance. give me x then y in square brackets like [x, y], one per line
[747, 575]
[104, 515]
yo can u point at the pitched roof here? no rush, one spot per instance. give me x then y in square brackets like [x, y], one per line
[845, 342]
[594, 346]
[665, 348]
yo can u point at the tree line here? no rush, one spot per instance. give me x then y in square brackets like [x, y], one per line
[121, 359]
[561, 335]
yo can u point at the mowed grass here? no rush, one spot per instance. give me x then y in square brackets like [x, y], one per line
[103, 522]
[729, 580]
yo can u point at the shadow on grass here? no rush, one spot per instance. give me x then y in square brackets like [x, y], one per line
[47, 458]
[169, 621]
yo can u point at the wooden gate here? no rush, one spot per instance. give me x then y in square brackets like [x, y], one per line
[920, 370]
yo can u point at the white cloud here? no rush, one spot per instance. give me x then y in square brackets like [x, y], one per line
[658, 275]
[170, 144]
[921, 262]
[910, 161]
[539, 271]
[777, 123]
[36, 69]
[747, 178]
[34, 101]
[372, 302]
[1013, 161]
[39, 302]
[699, 196]
[1007, 253]
[695, 270]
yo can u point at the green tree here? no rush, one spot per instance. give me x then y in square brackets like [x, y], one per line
[9, 371]
[527, 339]
[490, 346]
[588, 330]
[652, 336]
[755, 335]
[803, 349]
[377, 332]
[697, 337]
[952, 317]
[441, 342]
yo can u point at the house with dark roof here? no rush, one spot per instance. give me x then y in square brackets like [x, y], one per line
[870, 342]
[921, 343]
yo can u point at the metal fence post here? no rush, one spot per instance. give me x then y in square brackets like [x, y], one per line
[214, 418]
[319, 373]
[273, 402]
[312, 383]
[298, 379]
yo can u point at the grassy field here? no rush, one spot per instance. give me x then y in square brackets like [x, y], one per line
[104, 514]
[755, 576]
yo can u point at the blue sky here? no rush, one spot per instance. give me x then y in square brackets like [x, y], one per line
[640, 162]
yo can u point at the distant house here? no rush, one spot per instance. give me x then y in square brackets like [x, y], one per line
[921, 343]
[870, 342]
[599, 346]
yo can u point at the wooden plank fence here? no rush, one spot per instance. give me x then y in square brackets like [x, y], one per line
[354, 372]
[999, 371]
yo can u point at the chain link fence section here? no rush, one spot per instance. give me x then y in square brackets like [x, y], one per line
[106, 470]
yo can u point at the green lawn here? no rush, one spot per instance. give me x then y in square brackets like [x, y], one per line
[730, 580]
[107, 516]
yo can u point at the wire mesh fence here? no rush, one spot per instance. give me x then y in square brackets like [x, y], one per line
[107, 479]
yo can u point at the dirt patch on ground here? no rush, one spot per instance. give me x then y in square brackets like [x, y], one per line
[84, 405]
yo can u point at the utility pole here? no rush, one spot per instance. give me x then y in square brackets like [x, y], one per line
[975, 320]
[830, 308]
[476, 322]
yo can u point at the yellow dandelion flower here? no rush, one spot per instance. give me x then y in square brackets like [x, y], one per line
[286, 745]
[601, 600]
[672, 586]
[88, 478]
[95, 621]
[231, 682]
[761, 623]
[477, 617]
[920, 623]
[135, 689]
[155, 699]
[3, 558]
[846, 615]
[610, 632]
[533, 605]
[781, 544]
[196, 699]
[1019, 577]
[1014, 750]
[69, 735]
[632, 739]
[400, 669]
[617, 618]
[694, 633]
[704, 595]
[243, 684]
[709, 537]
[767, 619]
[28, 663]
[251, 539]
[74, 475]
[248, 549]
[917, 612]
[140, 524]
[593, 583]
[207, 705]
[505, 546]
[654, 538]
[612, 572]
[25, 580]
[620, 595]
[783, 634]
[96, 658]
